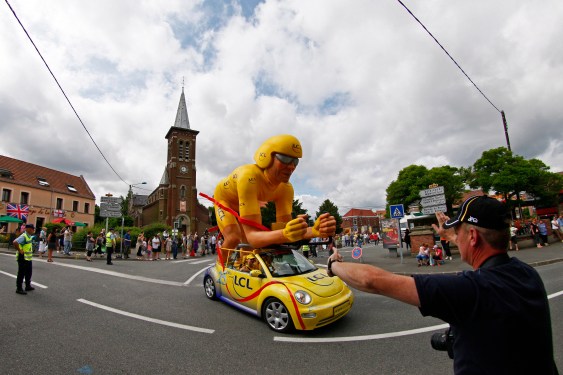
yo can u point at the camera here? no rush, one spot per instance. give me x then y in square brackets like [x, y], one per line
[443, 341]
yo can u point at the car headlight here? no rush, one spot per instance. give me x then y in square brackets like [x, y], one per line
[302, 297]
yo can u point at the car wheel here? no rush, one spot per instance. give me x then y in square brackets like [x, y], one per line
[209, 286]
[277, 316]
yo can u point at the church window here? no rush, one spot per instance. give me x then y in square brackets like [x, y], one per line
[183, 192]
[187, 157]
[180, 150]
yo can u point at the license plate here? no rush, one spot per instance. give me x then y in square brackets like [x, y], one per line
[341, 308]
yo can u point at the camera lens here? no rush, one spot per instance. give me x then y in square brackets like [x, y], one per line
[439, 341]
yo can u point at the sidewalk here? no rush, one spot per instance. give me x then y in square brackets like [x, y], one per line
[377, 256]
[380, 257]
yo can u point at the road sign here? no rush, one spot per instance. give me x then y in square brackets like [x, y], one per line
[110, 207]
[115, 200]
[357, 252]
[106, 213]
[433, 209]
[397, 211]
[433, 201]
[433, 191]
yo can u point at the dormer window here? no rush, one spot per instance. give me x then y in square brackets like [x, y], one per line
[6, 173]
[42, 181]
[71, 188]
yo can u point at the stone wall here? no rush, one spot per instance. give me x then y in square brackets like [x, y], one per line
[419, 235]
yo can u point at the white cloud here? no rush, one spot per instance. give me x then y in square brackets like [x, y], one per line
[366, 90]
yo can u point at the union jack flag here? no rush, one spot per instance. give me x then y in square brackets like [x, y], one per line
[17, 210]
[58, 213]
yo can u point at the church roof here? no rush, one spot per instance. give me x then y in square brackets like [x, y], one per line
[164, 180]
[182, 120]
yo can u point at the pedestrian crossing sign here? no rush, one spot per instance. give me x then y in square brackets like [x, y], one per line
[397, 211]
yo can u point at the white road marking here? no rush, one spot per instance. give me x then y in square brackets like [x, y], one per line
[194, 276]
[557, 294]
[194, 261]
[361, 338]
[116, 274]
[377, 336]
[32, 282]
[147, 319]
[205, 261]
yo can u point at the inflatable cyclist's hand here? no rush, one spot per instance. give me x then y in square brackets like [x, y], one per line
[325, 226]
[295, 229]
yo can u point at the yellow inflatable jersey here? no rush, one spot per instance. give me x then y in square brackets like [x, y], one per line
[245, 188]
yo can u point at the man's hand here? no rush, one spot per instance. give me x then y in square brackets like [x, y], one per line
[325, 226]
[448, 234]
[295, 229]
[336, 257]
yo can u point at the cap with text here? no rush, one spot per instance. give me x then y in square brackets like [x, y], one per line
[481, 211]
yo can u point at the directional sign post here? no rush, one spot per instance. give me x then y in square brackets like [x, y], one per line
[433, 200]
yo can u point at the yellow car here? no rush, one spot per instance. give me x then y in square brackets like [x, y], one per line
[279, 285]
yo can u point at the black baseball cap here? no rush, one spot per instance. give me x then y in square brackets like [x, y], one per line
[31, 226]
[481, 211]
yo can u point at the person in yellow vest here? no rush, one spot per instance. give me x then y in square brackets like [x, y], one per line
[24, 256]
[110, 245]
[305, 249]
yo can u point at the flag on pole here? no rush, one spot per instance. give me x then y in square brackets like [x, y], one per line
[58, 213]
[19, 211]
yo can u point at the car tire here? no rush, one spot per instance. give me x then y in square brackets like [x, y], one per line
[209, 287]
[276, 316]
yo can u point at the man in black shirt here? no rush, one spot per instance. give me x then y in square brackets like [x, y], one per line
[498, 313]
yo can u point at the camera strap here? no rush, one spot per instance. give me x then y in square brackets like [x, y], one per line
[496, 260]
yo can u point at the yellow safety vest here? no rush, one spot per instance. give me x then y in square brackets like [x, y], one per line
[109, 242]
[305, 247]
[26, 247]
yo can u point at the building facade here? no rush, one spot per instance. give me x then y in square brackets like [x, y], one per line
[42, 195]
[360, 220]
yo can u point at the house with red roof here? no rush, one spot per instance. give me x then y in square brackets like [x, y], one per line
[40, 195]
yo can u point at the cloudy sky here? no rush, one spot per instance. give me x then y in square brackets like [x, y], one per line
[360, 83]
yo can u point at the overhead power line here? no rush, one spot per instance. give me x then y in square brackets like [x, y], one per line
[450, 56]
[64, 93]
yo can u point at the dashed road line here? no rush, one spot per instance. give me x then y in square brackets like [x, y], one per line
[32, 282]
[194, 276]
[147, 319]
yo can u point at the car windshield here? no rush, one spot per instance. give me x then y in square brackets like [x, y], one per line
[286, 262]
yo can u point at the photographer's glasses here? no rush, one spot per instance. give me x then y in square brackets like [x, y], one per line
[287, 159]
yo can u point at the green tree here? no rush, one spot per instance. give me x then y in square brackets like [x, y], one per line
[328, 206]
[507, 174]
[405, 189]
[414, 178]
[268, 212]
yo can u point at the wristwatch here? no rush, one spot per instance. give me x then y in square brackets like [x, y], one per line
[329, 266]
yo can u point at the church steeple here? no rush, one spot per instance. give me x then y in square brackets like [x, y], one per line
[182, 120]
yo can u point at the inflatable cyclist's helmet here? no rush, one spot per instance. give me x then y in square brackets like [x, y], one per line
[282, 144]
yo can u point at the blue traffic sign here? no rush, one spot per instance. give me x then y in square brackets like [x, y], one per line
[397, 211]
[357, 252]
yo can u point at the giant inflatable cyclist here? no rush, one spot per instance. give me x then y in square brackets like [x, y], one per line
[249, 186]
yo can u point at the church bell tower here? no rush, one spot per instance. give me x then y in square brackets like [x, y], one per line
[181, 171]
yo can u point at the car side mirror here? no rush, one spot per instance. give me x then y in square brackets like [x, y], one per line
[256, 273]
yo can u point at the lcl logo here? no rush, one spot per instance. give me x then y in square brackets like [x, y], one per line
[296, 148]
[262, 156]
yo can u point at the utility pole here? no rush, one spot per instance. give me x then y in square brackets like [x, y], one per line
[505, 130]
